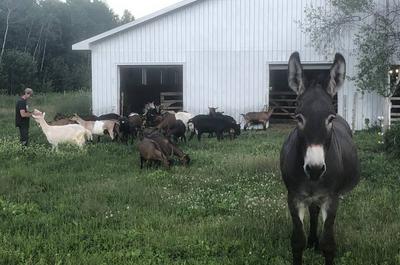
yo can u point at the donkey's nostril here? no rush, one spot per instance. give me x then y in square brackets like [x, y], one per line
[315, 172]
[308, 169]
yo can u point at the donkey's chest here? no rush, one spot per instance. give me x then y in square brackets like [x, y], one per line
[312, 194]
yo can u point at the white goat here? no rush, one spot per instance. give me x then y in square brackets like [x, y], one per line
[97, 127]
[71, 133]
[184, 117]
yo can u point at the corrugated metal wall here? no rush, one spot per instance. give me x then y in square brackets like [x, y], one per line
[225, 47]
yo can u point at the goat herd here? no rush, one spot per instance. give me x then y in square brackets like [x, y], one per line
[158, 130]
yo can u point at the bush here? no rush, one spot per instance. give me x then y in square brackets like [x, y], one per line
[392, 140]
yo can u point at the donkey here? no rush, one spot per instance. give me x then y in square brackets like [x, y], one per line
[318, 159]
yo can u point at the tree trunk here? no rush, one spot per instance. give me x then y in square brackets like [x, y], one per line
[44, 54]
[5, 34]
[29, 35]
[37, 44]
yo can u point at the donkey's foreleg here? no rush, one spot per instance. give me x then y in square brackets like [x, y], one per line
[298, 239]
[312, 241]
[327, 243]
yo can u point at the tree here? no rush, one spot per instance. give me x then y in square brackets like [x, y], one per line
[44, 31]
[17, 71]
[126, 17]
[377, 34]
[9, 8]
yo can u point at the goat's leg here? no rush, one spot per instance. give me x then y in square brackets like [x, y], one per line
[199, 136]
[245, 126]
[111, 133]
[141, 162]
[327, 243]
[191, 135]
[220, 136]
[264, 125]
[298, 239]
[312, 241]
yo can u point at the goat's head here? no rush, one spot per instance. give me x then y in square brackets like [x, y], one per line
[36, 114]
[75, 117]
[212, 109]
[185, 159]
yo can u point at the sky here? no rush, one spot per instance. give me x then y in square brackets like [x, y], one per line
[139, 8]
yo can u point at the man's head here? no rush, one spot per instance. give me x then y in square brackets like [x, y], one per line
[28, 92]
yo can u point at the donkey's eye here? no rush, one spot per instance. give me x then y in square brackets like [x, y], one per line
[300, 119]
[330, 119]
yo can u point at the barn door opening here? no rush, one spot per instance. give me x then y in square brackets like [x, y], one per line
[140, 85]
[281, 96]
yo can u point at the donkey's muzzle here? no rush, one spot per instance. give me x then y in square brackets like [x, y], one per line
[315, 172]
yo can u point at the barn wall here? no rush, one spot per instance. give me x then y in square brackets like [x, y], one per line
[225, 47]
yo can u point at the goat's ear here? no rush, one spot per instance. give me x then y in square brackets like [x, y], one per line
[295, 74]
[44, 114]
[337, 75]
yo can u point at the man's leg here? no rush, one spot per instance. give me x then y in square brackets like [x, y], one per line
[24, 135]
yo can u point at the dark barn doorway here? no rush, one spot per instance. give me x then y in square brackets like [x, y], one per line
[140, 85]
[281, 96]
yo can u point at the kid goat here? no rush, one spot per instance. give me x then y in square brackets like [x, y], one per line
[318, 160]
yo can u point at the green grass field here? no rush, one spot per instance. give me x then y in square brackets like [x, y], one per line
[228, 207]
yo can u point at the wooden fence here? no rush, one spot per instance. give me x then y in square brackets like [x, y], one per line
[395, 110]
[172, 100]
[284, 104]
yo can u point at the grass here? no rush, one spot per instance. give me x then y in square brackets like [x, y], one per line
[229, 207]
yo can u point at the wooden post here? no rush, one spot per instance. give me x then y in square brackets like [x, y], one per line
[387, 113]
[354, 112]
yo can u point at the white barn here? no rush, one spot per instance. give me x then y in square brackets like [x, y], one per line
[231, 54]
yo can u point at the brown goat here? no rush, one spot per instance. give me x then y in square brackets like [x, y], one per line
[257, 118]
[61, 122]
[168, 120]
[150, 151]
[170, 149]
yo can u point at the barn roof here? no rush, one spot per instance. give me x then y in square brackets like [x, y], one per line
[85, 44]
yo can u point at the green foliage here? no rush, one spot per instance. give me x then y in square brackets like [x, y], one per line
[376, 41]
[45, 30]
[392, 140]
[17, 71]
[126, 17]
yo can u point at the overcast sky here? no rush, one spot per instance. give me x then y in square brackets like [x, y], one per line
[139, 8]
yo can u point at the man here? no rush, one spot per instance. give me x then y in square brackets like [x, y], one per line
[22, 116]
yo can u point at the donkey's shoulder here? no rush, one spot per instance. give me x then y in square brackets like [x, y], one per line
[341, 126]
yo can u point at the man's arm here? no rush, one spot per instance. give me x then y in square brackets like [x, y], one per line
[25, 113]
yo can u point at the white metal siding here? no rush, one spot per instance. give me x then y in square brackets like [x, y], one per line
[225, 47]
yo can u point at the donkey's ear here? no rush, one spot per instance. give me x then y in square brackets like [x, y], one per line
[337, 75]
[295, 74]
